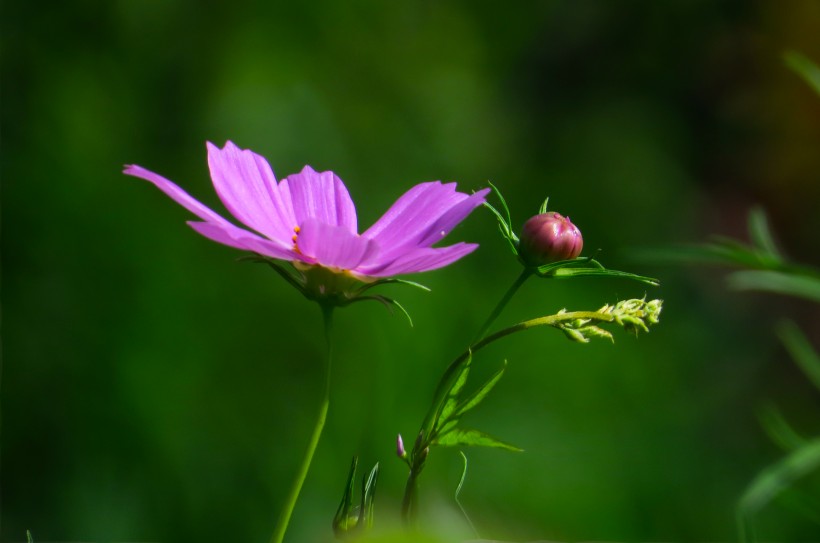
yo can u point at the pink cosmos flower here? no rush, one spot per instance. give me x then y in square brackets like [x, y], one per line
[309, 217]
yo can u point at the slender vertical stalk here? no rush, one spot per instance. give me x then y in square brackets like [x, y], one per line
[293, 496]
[410, 501]
[525, 274]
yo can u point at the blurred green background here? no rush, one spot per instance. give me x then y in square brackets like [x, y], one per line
[154, 389]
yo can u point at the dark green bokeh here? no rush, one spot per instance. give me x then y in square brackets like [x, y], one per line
[153, 389]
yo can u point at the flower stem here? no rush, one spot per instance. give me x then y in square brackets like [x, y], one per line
[427, 436]
[525, 274]
[293, 496]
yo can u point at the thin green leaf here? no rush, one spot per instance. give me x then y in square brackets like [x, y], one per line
[761, 234]
[475, 398]
[472, 438]
[779, 476]
[564, 273]
[451, 399]
[580, 262]
[458, 492]
[778, 282]
[800, 350]
[805, 68]
[586, 266]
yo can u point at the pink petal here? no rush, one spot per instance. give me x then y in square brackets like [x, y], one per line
[177, 194]
[413, 211]
[321, 196]
[245, 183]
[420, 260]
[230, 235]
[452, 217]
[334, 246]
[422, 216]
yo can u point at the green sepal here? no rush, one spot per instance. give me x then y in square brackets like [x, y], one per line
[286, 273]
[476, 397]
[392, 280]
[389, 303]
[504, 220]
[345, 518]
[543, 208]
[472, 438]
[368, 498]
[350, 519]
[587, 266]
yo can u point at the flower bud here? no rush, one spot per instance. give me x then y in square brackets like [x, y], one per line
[549, 237]
[400, 452]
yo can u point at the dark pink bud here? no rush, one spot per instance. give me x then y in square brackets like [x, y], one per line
[400, 452]
[549, 237]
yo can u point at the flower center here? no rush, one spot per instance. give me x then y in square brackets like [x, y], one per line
[295, 237]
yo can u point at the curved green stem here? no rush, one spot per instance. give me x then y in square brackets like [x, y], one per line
[419, 453]
[293, 496]
[525, 274]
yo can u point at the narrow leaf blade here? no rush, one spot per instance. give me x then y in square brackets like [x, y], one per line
[476, 397]
[801, 351]
[451, 399]
[472, 438]
[761, 234]
[780, 476]
[778, 282]
[807, 69]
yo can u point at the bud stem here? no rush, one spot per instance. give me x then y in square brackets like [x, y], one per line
[525, 274]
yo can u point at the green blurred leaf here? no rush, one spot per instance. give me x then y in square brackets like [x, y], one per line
[475, 398]
[805, 68]
[778, 429]
[800, 350]
[761, 234]
[779, 476]
[472, 438]
[779, 282]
